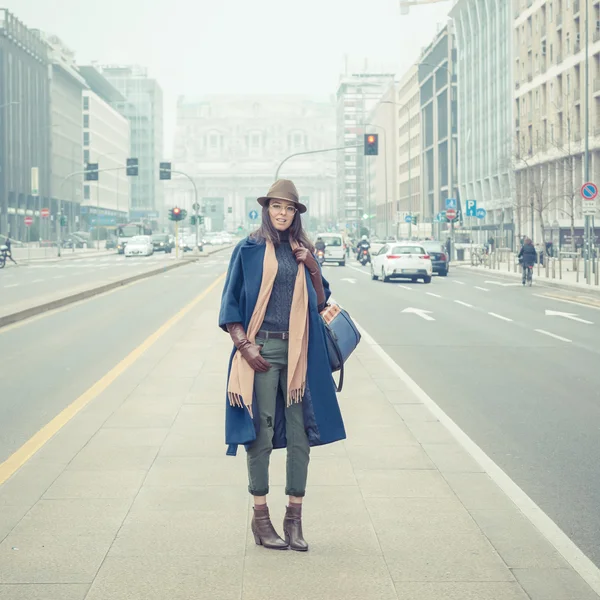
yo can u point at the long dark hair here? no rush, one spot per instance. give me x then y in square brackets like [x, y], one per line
[296, 232]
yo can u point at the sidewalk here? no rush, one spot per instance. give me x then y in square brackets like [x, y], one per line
[134, 499]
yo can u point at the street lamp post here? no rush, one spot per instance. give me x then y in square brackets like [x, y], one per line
[385, 174]
[589, 236]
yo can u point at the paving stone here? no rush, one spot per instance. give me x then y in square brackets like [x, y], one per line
[9, 517]
[394, 435]
[123, 437]
[30, 482]
[390, 384]
[164, 577]
[322, 471]
[464, 590]
[228, 499]
[430, 432]
[96, 484]
[101, 456]
[454, 557]
[401, 397]
[517, 540]
[364, 458]
[166, 385]
[452, 458]
[200, 417]
[227, 470]
[403, 484]
[184, 532]
[554, 584]
[415, 412]
[212, 384]
[143, 411]
[189, 443]
[316, 577]
[50, 591]
[478, 491]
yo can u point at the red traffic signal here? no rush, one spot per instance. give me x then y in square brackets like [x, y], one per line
[176, 210]
[371, 144]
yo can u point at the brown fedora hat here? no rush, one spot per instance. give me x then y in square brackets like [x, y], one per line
[283, 189]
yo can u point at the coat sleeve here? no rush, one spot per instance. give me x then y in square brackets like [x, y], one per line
[327, 291]
[231, 311]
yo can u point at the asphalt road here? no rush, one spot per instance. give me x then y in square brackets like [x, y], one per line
[523, 384]
[49, 361]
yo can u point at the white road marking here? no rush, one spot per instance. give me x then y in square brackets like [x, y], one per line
[37, 281]
[349, 280]
[432, 294]
[59, 277]
[424, 314]
[459, 282]
[482, 289]
[499, 316]
[502, 283]
[571, 316]
[463, 303]
[589, 572]
[362, 271]
[567, 301]
[558, 337]
[405, 287]
[11, 285]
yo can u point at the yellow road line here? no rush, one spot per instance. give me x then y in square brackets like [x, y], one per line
[38, 440]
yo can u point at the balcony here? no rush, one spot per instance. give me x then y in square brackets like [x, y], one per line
[529, 77]
[543, 67]
[559, 102]
[543, 33]
[575, 7]
[558, 58]
[576, 48]
[558, 22]
[577, 95]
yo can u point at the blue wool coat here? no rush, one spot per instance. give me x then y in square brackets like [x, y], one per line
[322, 418]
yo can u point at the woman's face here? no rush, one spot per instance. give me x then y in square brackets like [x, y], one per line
[281, 213]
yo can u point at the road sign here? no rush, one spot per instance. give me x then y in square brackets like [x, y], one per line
[589, 191]
[441, 217]
[45, 212]
[253, 214]
[481, 212]
[450, 214]
[408, 219]
[28, 221]
[451, 203]
[471, 208]
[35, 181]
[196, 206]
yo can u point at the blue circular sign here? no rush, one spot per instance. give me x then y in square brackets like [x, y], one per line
[253, 214]
[481, 212]
[589, 190]
[408, 219]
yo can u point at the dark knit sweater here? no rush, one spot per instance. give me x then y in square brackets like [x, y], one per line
[277, 317]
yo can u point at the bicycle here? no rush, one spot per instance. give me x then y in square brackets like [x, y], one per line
[527, 274]
[3, 254]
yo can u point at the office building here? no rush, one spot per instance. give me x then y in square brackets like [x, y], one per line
[437, 83]
[106, 141]
[485, 114]
[66, 87]
[143, 107]
[232, 145]
[549, 104]
[357, 95]
[24, 128]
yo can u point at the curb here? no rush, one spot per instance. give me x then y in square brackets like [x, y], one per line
[539, 281]
[24, 262]
[77, 297]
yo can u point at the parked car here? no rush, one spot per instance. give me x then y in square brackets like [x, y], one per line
[440, 261]
[139, 245]
[162, 242]
[406, 260]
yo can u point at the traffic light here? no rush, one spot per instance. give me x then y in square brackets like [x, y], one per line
[193, 220]
[63, 220]
[415, 220]
[132, 167]
[91, 172]
[177, 214]
[165, 170]
[371, 144]
[201, 220]
[230, 209]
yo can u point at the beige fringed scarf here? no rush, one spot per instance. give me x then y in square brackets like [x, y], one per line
[241, 378]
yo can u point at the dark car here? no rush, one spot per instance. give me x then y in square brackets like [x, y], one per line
[162, 242]
[440, 261]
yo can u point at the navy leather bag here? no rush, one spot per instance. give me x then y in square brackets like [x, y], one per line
[342, 338]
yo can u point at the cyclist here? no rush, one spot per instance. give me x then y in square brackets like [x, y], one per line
[527, 257]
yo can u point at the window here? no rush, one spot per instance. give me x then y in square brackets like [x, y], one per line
[255, 140]
[86, 157]
[86, 192]
[550, 13]
[214, 140]
[86, 103]
[86, 121]
[568, 43]
[86, 138]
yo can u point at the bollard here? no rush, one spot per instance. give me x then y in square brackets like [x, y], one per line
[547, 265]
[554, 268]
[538, 264]
[508, 261]
[596, 264]
[559, 266]
[577, 268]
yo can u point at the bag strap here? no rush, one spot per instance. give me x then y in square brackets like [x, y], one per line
[340, 385]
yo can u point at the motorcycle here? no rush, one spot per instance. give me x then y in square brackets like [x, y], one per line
[321, 257]
[364, 257]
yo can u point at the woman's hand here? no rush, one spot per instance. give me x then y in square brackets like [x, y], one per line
[303, 255]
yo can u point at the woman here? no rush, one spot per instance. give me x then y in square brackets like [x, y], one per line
[280, 389]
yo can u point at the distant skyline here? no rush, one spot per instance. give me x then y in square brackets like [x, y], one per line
[236, 46]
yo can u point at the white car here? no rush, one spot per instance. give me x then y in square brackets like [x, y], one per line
[335, 251]
[139, 245]
[407, 260]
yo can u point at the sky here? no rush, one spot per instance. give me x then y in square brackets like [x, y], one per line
[197, 47]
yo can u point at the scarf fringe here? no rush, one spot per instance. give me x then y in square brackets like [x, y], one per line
[295, 396]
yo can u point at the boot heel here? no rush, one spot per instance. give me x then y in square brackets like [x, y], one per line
[257, 540]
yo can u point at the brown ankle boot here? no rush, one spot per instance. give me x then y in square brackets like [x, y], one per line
[292, 528]
[264, 532]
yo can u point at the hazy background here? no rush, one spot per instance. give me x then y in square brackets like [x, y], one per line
[237, 46]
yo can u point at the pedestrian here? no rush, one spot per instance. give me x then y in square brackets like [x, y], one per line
[280, 391]
[8, 245]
